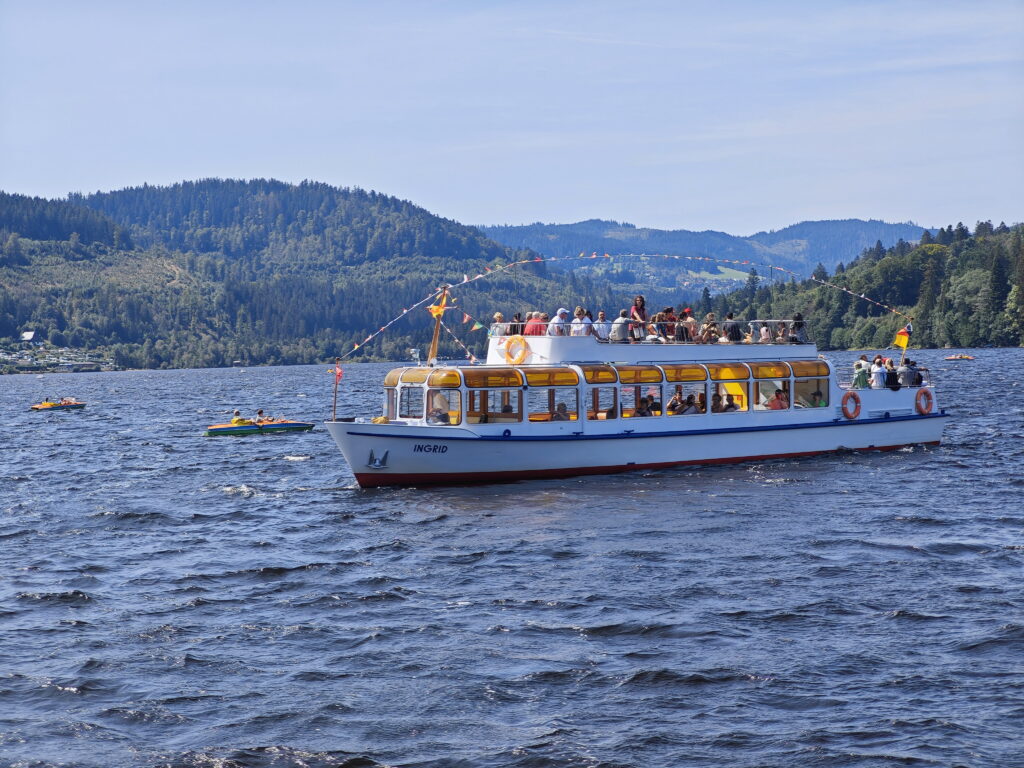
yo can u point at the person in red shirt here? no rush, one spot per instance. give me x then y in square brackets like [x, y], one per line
[535, 326]
[779, 402]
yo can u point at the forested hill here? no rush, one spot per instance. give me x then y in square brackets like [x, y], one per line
[963, 289]
[204, 273]
[799, 247]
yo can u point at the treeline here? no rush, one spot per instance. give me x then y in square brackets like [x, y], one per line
[261, 272]
[38, 219]
[963, 289]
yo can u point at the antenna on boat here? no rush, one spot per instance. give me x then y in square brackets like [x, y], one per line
[437, 311]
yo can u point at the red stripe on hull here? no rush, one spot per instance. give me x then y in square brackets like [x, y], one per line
[382, 479]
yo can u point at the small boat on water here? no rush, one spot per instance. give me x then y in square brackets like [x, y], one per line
[959, 357]
[259, 428]
[558, 406]
[64, 404]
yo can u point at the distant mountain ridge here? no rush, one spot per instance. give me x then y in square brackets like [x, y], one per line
[799, 247]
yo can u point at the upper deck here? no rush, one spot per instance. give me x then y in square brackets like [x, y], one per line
[551, 350]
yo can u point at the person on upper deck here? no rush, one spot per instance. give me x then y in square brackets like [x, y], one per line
[668, 332]
[602, 327]
[892, 376]
[515, 328]
[533, 326]
[906, 377]
[878, 373]
[798, 330]
[709, 330]
[764, 335]
[688, 326]
[656, 328]
[638, 318]
[620, 329]
[581, 324]
[861, 369]
[499, 327]
[560, 325]
[731, 329]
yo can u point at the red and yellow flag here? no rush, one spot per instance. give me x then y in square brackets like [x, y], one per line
[903, 336]
[437, 310]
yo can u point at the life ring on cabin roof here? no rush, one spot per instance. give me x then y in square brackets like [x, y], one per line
[924, 401]
[522, 350]
[854, 412]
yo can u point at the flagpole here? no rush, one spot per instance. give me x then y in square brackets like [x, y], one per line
[432, 355]
[334, 406]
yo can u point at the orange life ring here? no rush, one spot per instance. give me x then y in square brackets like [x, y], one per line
[516, 358]
[924, 401]
[851, 413]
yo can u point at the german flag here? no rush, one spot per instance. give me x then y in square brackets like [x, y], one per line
[903, 336]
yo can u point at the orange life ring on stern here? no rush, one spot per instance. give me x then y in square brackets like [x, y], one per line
[924, 401]
[516, 358]
[851, 413]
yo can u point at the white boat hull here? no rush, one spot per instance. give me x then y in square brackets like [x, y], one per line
[397, 454]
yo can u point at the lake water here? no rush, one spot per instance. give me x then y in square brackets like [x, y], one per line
[168, 599]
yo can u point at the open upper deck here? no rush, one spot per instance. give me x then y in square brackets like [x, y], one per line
[503, 349]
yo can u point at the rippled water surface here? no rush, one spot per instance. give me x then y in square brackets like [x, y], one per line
[168, 599]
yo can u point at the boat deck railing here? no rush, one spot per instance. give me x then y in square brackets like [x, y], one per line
[765, 331]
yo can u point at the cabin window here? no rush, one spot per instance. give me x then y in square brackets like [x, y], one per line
[494, 406]
[444, 378]
[765, 399]
[414, 375]
[552, 403]
[729, 397]
[769, 370]
[640, 400]
[601, 403]
[686, 399]
[805, 369]
[685, 373]
[492, 377]
[599, 374]
[810, 393]
[552, 377]
[391, 403]
[727, 371]
[410, 403]
[444, 406]
[639, 374]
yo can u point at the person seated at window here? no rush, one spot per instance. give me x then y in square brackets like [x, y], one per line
[643, 408]
[730, 405]
[676, 404]
[561, 413]
[507, 408]
[438, 414]
[716, 403]
[691, 406]
[779, 402]
[818, 400]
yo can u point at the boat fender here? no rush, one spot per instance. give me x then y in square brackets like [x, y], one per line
[522, 350]
[854, 411]
[507, 433]
[924, 401]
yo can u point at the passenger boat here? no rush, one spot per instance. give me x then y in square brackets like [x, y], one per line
[260, 428]
[556, 406]
[65, 404]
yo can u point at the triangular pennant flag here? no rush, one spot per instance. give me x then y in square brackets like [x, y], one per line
[465, 318]
[476, 326]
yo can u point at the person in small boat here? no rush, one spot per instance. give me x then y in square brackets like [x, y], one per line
[643, 408]
[730, 404]
[238, 421]
[619, 333]
[716, 403]
[561, 413]
[777, 403]
[709, 330]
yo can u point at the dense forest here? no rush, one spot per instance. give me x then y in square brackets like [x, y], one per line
[963, 289]
[205, 273]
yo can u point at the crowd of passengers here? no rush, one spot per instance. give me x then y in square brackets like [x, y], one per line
[637, 325]
[883, 373]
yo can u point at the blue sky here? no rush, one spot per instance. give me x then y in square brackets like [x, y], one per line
[731, 116]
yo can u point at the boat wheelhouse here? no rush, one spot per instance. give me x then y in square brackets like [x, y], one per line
[556, 406]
